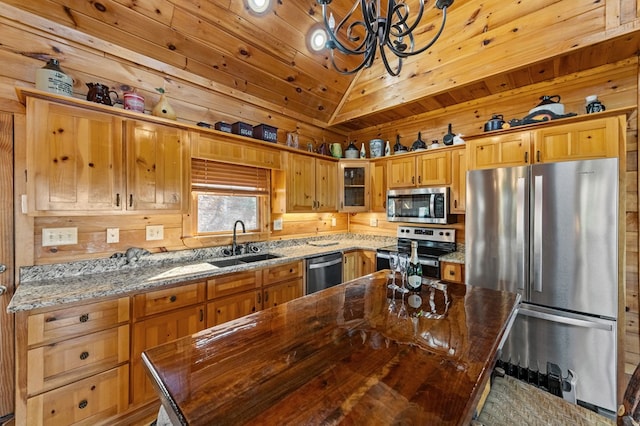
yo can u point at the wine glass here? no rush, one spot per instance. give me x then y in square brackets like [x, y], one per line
[393, 265]
[403, 263]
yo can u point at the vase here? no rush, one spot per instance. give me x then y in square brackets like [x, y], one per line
[163, 109]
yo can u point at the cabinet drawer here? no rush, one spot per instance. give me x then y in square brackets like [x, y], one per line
[51, 366]
[453, 272]
[75, 321]
[86, 402]
[282, 272]
[226, 285]
[166, 299]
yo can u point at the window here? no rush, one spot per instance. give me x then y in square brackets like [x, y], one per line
[223, 193]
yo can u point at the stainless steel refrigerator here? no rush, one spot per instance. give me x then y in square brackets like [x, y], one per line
[550, 233]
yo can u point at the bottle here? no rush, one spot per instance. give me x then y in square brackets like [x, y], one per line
[363, 152]
[51, 78]
[387, 150]
[414, 270]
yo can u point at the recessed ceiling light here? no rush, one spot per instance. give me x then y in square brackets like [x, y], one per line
[317, 39]
[259, 6]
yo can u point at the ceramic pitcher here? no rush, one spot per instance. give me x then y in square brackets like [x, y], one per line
[336, 150]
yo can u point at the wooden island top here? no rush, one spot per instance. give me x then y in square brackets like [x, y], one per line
[339, 356]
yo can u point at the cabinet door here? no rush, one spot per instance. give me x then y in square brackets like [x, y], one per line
[326, 184]
[230, 150]
[350, 266]
[401, 172]
[577, 141]
[278, 294]
[153, 332]
[74, 159]
[458, 181]
[506, 150]
[301, 184]
[367, 262]
[434, 168]
[354, 186]
[378, 186]
[231, 307]
[157, 167]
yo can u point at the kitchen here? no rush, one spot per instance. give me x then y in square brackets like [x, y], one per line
[103, 56]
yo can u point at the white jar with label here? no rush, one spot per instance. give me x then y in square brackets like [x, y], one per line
[52, 79]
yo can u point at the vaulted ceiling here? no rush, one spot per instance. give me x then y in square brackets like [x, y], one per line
[487, 47]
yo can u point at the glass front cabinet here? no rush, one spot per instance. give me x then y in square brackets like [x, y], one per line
[354, 186]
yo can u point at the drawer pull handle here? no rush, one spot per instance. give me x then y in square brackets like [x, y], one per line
[84, 317]
[201, 315]
[84, 355]
[83, 404]
[266, 296]
[173, 298]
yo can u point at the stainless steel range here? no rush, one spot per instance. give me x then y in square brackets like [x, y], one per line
[432, 243]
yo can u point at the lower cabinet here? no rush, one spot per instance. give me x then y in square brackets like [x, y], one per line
[357, 263]
[175, 312]
[72, 363]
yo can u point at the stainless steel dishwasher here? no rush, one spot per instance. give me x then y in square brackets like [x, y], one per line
[323, 272]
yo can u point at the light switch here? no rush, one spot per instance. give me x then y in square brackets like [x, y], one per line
[113, 235]
[277, 225]
[155, 232]
[59, 236]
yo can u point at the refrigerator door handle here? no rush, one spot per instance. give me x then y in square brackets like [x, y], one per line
[520, 239]
[537, 234]
[565, 320]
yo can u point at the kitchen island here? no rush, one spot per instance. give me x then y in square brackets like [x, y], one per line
[342, 355]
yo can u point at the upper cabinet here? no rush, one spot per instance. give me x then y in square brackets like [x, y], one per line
[426, 169]
[309, 184]
[581, 140]
[233, 149]
[354, 185]
[158, 161]
[85, 161]
[458, 193]
[378, 189]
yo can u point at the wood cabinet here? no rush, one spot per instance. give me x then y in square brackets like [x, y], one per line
[458, 191]
[160, 316]
[354, 186]
[309, 184]
[282, 283]
[452, 272]
[378, 186]
[73, 363]
[424, 169]
[79, 162]
[357, 263]
[158, 167]
[238, 294]
[588, 139]
[233, 149]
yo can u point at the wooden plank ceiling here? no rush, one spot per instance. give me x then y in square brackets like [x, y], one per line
[267, 57]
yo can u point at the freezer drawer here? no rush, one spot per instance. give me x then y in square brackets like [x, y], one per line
[583, 344]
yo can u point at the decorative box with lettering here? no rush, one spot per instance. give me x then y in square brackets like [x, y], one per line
[266, 133]
[223, 127]
[242, 129]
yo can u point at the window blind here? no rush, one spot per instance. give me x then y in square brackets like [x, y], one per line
[228, 178]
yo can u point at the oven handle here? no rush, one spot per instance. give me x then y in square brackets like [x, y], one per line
[426, 262]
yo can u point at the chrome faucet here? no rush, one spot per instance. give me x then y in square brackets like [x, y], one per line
[234, 246]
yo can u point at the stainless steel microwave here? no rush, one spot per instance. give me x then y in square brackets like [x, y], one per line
[418, 205]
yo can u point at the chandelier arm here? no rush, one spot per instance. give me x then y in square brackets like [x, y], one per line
[385, 61]
[435, 38]
[347, 72]
[334, 42]
[403, 19]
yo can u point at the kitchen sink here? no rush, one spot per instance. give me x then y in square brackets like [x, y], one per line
[243, 260]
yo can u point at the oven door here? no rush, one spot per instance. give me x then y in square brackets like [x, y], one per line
[430, 266]
[418, 205]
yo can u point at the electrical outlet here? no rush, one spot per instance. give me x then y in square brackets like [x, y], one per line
[333, 221]
[59, 236]
[155, 232]
[277, 225]
[373, 222]
[113, 235]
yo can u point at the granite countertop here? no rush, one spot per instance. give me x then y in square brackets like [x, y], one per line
[50, 285]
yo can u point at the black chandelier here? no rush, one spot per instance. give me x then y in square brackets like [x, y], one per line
[392, 31]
